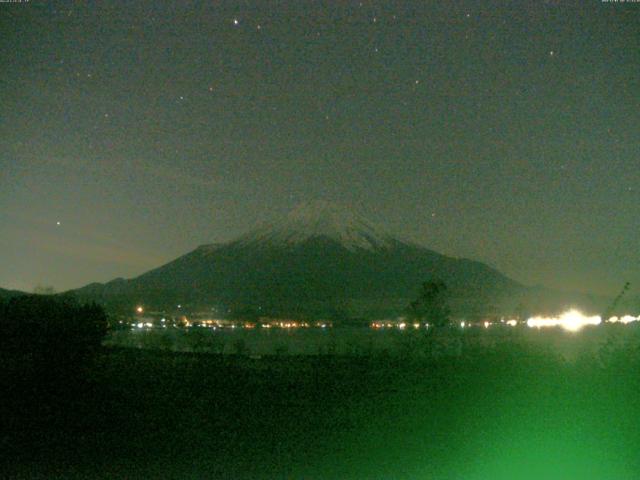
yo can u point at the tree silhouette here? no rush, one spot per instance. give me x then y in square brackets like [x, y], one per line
[431, 306]
[616, 301]
[44, 290]
[52, 327]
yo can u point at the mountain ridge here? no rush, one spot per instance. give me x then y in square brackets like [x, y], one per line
[322, 259]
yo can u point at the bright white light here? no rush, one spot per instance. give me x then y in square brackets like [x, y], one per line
[462, 324]
[573, 320]
[140, 325]
[624, 319]
[139, 309]
[512, 323]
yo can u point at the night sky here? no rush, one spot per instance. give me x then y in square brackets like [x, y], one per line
[507, 132]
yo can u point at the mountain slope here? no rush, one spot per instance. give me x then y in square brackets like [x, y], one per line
[320, 260]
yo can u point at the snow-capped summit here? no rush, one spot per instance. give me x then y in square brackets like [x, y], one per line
[319, 261]
[323, 219]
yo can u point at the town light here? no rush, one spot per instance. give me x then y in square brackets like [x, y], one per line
[624, 319]
[573, 320]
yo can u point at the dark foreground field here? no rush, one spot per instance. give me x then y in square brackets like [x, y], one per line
[512, 413]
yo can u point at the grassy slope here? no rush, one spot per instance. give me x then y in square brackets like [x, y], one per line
[491, 415]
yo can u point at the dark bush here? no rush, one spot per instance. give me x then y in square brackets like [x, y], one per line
[48, 367]
[50, 327]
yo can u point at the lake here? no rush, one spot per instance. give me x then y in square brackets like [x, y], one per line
[362, 341]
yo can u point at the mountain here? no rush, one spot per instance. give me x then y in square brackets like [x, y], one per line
[320, 260]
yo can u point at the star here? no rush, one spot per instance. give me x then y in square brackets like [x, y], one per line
[58, 223]
[552, 53]
[235, 21]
